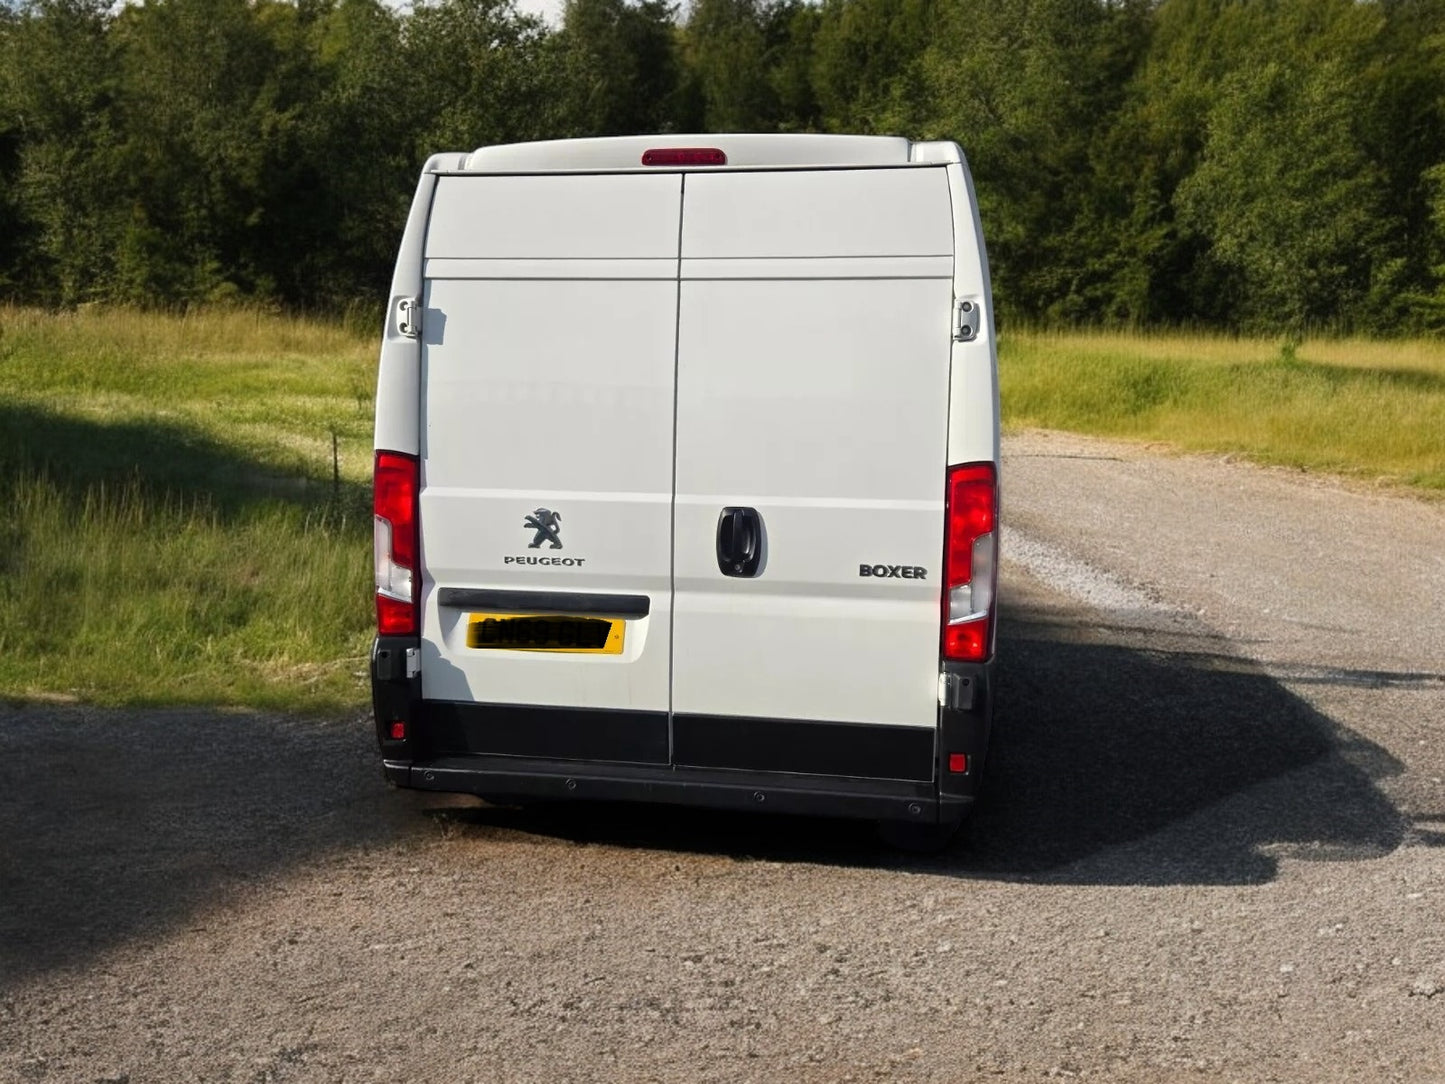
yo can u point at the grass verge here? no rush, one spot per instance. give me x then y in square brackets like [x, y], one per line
[179, 529]
[1371, 410]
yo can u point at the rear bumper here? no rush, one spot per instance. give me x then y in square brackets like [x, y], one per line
[761, 792]
[818, 768]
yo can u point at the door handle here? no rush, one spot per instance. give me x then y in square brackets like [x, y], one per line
[739, 541]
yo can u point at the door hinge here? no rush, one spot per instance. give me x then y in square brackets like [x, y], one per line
[408, 317]
[966, 315]
[413, 662]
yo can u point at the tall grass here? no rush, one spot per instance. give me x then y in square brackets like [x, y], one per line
[178, 530]
[120, 598]
[1372, 410]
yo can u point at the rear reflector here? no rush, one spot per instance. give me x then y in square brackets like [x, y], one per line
[684, 156]
[398, 731]
[957, 763]
[969, 560]
[394, 547]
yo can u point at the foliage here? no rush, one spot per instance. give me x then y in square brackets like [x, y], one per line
[620, 68]
[1271, 165]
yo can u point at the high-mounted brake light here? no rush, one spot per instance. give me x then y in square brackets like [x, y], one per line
[970, 558]
[395, 543]
[684, 156]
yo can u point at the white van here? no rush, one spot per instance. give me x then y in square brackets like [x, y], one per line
[686, 477]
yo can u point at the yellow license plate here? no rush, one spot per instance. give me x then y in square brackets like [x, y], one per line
[546, 632]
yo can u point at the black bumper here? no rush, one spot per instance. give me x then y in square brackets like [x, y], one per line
[762, 792]
[818, 768]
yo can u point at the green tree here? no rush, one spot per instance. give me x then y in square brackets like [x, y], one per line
[866, 55]
[1405, 137]
[15, 245]
[485, 75]
[620, 68]
[213, 95]
[361, 154]
[57, 89]
[792, 29]
[1284, 192]
[1029, 88]
[727, 55]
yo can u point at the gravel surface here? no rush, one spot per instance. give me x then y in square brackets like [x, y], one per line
[1211, 849]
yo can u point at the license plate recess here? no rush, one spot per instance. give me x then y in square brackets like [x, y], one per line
[562, 633]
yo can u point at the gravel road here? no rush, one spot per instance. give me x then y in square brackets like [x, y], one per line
[1212, 849]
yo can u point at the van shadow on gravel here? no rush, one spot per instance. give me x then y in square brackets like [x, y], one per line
[1153, 756]
[116, 825]
[1121, 755]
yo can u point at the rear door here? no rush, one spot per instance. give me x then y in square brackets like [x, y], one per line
[549, 326]
[813, 361]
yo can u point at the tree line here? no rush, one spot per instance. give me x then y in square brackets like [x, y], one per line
[1244, 164]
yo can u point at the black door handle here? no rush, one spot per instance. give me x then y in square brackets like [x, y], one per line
[739, 541]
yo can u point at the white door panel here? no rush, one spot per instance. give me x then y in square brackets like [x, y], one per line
[819, 213]
[765, 268]
[509, 268]
[809, 638]
[818, 659]
[549, 392]
[821, 403]
[557, 217]
[819, 388]
[565, 385]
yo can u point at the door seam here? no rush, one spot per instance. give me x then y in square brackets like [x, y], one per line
[672, 505]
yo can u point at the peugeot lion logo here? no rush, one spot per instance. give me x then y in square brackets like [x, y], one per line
[544, 522]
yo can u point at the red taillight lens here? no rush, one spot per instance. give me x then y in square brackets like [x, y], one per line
[969, 559]
[395, 543]
[684, 156]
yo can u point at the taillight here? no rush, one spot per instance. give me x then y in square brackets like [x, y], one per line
[969, 559]
[684, 156]
[395, 543]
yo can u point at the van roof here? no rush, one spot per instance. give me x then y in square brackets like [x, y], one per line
[743, 151]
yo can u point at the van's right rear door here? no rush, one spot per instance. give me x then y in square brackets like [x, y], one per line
[813, 368]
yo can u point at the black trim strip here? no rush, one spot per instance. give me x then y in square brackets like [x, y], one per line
[545, 602]
[857, 750]
[516, 730]
[827, 796]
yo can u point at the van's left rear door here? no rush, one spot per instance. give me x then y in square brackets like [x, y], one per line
[549, 330]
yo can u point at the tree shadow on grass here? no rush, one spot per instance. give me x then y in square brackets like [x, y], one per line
[1347, 376]
[161, 461]
[1119, 756]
